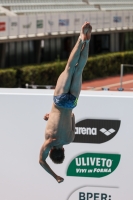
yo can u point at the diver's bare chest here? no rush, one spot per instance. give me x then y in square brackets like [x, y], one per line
[59, 122]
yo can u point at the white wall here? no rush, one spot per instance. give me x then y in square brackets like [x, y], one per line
[65, 22]
[22, 134]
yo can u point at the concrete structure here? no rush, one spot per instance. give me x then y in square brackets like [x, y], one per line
[56, 25]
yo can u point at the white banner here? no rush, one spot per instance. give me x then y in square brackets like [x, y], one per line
[78, 22]
[40, 23]
[126, 17]
[32, 20]
[131, 14]
[49, 23]
[72, 21]
[13, 26]
[119, 18]
[131, 19]
[100, 20]
[54, 19]
[4, 26]
[114, 19]
[24, 25]
[85, 17]
[93, 20]
[106, 20]
[63, 22]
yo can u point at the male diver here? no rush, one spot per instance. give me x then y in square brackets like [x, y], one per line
[60, 128]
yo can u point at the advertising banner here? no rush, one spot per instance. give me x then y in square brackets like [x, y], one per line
[40, 24]
[131, 16]
[85, 17]
[97, 164]
[119, 19]
[115, 19]
[13, 26]
[93, 20]
[106, 20]
[73, 21]
[126, 19]
[24, 25]
[63, 22]
[54, 19]
[100, 20]
[48, 23]
[4, 26]
[131, 19]
[78, 21]
[32, 20]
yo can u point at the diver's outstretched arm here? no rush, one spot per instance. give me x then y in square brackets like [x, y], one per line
[42, 160]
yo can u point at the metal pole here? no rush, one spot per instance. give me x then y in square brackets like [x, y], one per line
[121, 75]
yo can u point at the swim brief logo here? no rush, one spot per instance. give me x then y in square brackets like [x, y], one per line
[96, 130]
[94, 165]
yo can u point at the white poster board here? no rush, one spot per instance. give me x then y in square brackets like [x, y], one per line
[106, 20]
[48, 23]
[40, 24]
[78, 21]
[100, 20]
[55, 18]
[63, 22]
[73, 21]
[98, 166]
[24, 25]
[32, 19]
[3, 26]
[93, 19]
[126, 19]
[119, 19]
[131, 19]
[115, 19]
[13, 26]
[85, 17]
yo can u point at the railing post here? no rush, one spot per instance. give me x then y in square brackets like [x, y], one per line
[121, 78]
[121, 75]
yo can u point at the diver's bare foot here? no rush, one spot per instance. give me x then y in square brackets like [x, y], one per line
[88, 34]
[85, 33]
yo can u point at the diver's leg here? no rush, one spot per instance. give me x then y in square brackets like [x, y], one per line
[65, 79]
[77, 77]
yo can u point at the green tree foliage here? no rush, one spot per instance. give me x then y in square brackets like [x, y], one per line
[47, 74]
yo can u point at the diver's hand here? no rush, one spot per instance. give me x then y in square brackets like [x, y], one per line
[59, 179]
[46, 116]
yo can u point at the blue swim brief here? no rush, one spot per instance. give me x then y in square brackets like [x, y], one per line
[66, 100]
